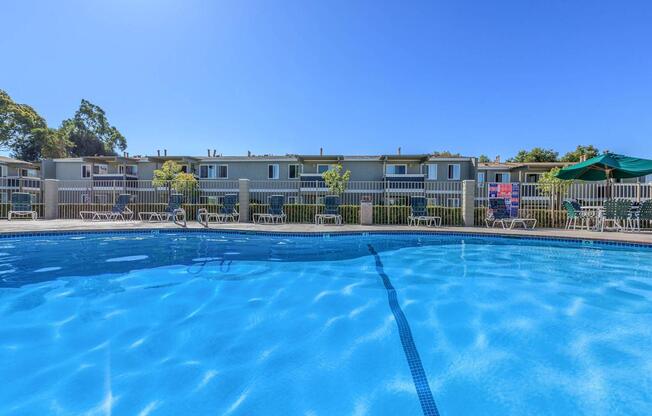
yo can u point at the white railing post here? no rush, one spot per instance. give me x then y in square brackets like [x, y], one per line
[50, 199]
[243, 196]
[468, 202]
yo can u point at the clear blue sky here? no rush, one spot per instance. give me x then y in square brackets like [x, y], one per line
[355, 77]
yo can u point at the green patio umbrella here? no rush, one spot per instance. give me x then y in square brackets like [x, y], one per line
[607, 166]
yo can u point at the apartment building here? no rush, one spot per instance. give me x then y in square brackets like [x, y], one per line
[17, 175]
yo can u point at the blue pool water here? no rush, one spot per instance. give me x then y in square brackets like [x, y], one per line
[233, 324]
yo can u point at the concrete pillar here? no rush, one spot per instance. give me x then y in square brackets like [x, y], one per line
[243, 188]
[468, 202]
[366, 213]
[50, 199]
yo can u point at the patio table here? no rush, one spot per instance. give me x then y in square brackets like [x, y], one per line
[593, 212]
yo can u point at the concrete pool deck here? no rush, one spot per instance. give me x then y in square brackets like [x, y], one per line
[39, 226]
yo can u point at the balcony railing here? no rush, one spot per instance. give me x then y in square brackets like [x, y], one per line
[17, 182]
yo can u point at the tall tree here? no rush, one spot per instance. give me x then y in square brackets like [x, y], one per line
[446, 153]
[17, 128]
[537, 154]
[484, 159]
[90, 132]
[576, 155]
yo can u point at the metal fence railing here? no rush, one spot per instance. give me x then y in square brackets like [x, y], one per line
[304, 199]
[544, 201]
[93, 195]
[9, 185]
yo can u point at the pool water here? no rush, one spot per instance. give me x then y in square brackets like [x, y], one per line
[244, 324]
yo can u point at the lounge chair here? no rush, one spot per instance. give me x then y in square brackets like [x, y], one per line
[120, 210]
[617, 212]
[644, 214]
[498, 213]
[331, 210]
[173, 211]
[226, 212]
[574, 213]
[418, 204]
[21, 206]
[274, 213]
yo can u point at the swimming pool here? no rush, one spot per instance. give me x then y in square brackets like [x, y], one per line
[227, 323]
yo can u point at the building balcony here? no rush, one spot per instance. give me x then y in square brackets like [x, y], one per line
[20, 182]
[404, 183]
[114, 177]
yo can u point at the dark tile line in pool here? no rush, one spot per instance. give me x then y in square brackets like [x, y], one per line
[323, 234]
[424, 393]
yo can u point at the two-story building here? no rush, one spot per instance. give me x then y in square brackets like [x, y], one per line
[17, 176]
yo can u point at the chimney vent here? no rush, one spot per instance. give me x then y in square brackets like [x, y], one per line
[321, 151]
[214, 152]
[158, 152]
[248, 153]
[165, 152]
[497, 160]
[208, 152]
[399, 150]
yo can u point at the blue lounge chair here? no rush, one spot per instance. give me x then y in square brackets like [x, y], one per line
[418, 205]
[274, 213]
[120, 210]
[226, 212]
[21, 206]
[498, 213]
[174, 211]
[331, 210]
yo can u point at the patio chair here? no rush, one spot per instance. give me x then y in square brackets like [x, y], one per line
[498, 213]
[331, 210]
[617, 213]
[120, 210]
[174, 211]
[418, 205]
[574, 213]
[21, 206]
[274, 213]
[226, 212]
[644, 214]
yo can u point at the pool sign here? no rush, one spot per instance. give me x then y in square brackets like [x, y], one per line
[511, 192]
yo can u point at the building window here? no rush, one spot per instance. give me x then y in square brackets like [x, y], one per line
[294, 200]
[86, 171]
[396, 169]
[207, 172]
[323, 168]
[453, 202]
[293, 171]
[272, 171]
[454, 172]
[3, 171]
[213, 172]
[4, 196]
[481, 177]
[128, 169]
[31, 173]
[532, 178]
[100, 169]
[432, 171]
[502, 177]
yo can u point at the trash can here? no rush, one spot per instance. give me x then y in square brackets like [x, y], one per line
[366, 211]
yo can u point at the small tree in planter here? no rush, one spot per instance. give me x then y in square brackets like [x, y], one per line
[171, 177]
[336, 180]
[554, 188]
